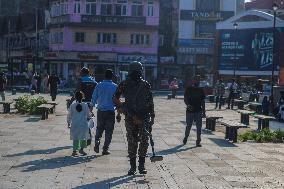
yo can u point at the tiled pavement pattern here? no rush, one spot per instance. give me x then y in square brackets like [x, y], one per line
[36, 154]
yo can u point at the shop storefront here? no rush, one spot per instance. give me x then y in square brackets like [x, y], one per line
[149, 62]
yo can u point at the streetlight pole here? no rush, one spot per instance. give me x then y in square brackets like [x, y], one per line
[275, 8]
[235, 53]
[36, 41]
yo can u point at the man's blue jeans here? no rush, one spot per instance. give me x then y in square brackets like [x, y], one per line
[197, 118]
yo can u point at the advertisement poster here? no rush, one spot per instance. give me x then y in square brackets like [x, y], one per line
[252, 49]
[281, 77]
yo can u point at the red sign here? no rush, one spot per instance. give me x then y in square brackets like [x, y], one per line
[86, 56]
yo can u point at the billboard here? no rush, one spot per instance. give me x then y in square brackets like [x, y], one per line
[251, 48]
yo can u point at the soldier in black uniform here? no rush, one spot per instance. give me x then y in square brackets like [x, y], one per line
[139, 114]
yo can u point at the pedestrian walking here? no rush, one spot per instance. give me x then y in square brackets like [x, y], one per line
[3, 83]
[174, 87]
[232, 94]
[265, 106]
[38, 82]
[45, 83]
[139, 114]
[77, 119]
[86, 84]
[194, 98]
[33, 85]
[219, 93]
[53, 82]
[102, 96]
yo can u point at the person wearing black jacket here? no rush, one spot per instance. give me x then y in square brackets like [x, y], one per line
[194, 98]
[53, 83]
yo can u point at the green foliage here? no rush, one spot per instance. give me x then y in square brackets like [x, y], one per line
[27, 104]
[264, 135]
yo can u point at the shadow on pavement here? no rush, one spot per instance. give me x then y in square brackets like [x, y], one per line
[222, 142]
[175, 149]
[115, 181]
[54, 163]
[35, 152]
[33, 119]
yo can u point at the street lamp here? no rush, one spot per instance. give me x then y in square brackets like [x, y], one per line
[235, 58]
[275, 8]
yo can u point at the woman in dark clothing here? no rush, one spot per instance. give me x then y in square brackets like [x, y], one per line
[265, 106]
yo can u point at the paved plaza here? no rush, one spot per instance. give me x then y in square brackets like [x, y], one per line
[36, 154]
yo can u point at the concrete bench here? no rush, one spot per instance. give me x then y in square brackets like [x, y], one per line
[211, 122]
[6, 106]
[240, 103]
[45, 109]
[54, 104]
[232, 127]
[245, 116]
[263, 121]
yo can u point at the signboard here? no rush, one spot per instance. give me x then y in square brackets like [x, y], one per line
[209, 43]
[150, 59]
[167, 59]
[98, 56]
[252, 49]
[195, 50]
[205, 15]
[113, 20]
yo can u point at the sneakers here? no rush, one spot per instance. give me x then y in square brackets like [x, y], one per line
[81, 151]
[74, 153]
[184, 141]
[105, 152]
[198, 145]
[97, 148]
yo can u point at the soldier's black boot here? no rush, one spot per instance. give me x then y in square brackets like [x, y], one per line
[132, 170]
[141, 166]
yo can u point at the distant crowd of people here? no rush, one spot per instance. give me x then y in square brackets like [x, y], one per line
[235, 91]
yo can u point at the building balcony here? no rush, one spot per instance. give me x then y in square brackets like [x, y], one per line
[104, 21]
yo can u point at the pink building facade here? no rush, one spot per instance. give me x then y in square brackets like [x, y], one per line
[102, 34]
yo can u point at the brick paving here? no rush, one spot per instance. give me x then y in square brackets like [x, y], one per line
[36, 154]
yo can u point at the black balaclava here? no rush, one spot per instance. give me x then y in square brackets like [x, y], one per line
[135, 75]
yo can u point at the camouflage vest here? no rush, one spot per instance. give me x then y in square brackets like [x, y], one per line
[136, 100]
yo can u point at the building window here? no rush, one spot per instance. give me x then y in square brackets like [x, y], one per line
[137, 8]
[150, 8]
[106, 38]
[205, 29]
[139, 39]
[106, 8]
[79, 37]
[77, 7]
[55, 9]
[91, 7]
[121, 8]
[56, 37]
[63, 7]
[212, 5]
